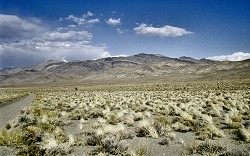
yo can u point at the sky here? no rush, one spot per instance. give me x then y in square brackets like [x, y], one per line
[33, 31]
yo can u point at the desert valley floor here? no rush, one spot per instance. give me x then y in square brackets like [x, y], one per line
[181, 118]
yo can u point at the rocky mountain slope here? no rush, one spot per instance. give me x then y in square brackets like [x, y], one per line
[132, 69]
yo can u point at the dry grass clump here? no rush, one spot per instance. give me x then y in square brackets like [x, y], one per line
[209, 131]
[180, 127]
[109, 139]
[162, 125]
[10, 95]
[11, 138]
[205, 148]
[145, 129]
[244, 134]
[141, 150]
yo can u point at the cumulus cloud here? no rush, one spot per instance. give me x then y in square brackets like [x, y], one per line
[83, 20]
[13, 27]
[29, 52]
[165, 31]
[61, 44]
[93, 21]
[70, 35]
[89, 14]
[113, 21]
[237, 56]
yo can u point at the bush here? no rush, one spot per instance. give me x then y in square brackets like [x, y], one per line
[243, 135]
[206, 147]
[142, 151]
[209, 131]
[11, 138]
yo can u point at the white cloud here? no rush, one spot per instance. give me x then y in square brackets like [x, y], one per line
[237, 56]
[114, 22]
[90, 13]
[93, 21]
[119, 30]
[62, 29]
[84, 19]
[78, 20]
[61, 44]
[72, 26]
[27, 52]
[12, 27]
[119, 55]
[68, 36]
[165, 31]
[61, 19]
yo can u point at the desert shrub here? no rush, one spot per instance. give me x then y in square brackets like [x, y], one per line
[161, 124]
[142, 150]
[236, 152]
[246, 124]
[237, 118]
[145, 129]
[209, 131]
[62, 149]
[180, 127]
[25, 120]
[53, 146]
[112, 145]
[8, 126]
[138, 116]
[32, 135]
[165, 141]
[108, 140]
[11, 138]
[162, 120]
[60, 135]
[142, 131]
[46, 127]
[37, 111]
[34, 150]
[235, 125]
[189, 123]
[93, 140]
[243, 134]
[129, 120]
[113, 119]
[205, 148]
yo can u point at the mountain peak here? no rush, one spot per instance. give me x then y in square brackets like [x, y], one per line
[145, 55]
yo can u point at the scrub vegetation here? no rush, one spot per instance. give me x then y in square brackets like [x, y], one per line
[108, 120]
[10, 95]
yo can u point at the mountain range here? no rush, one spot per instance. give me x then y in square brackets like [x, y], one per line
[138, 68]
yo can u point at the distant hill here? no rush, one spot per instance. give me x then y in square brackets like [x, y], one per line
[132, 69]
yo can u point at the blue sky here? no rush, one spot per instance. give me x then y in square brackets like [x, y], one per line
[34, 31]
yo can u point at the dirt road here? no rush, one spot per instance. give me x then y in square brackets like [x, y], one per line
[10, 110]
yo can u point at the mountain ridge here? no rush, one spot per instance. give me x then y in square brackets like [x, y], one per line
[139, 67]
